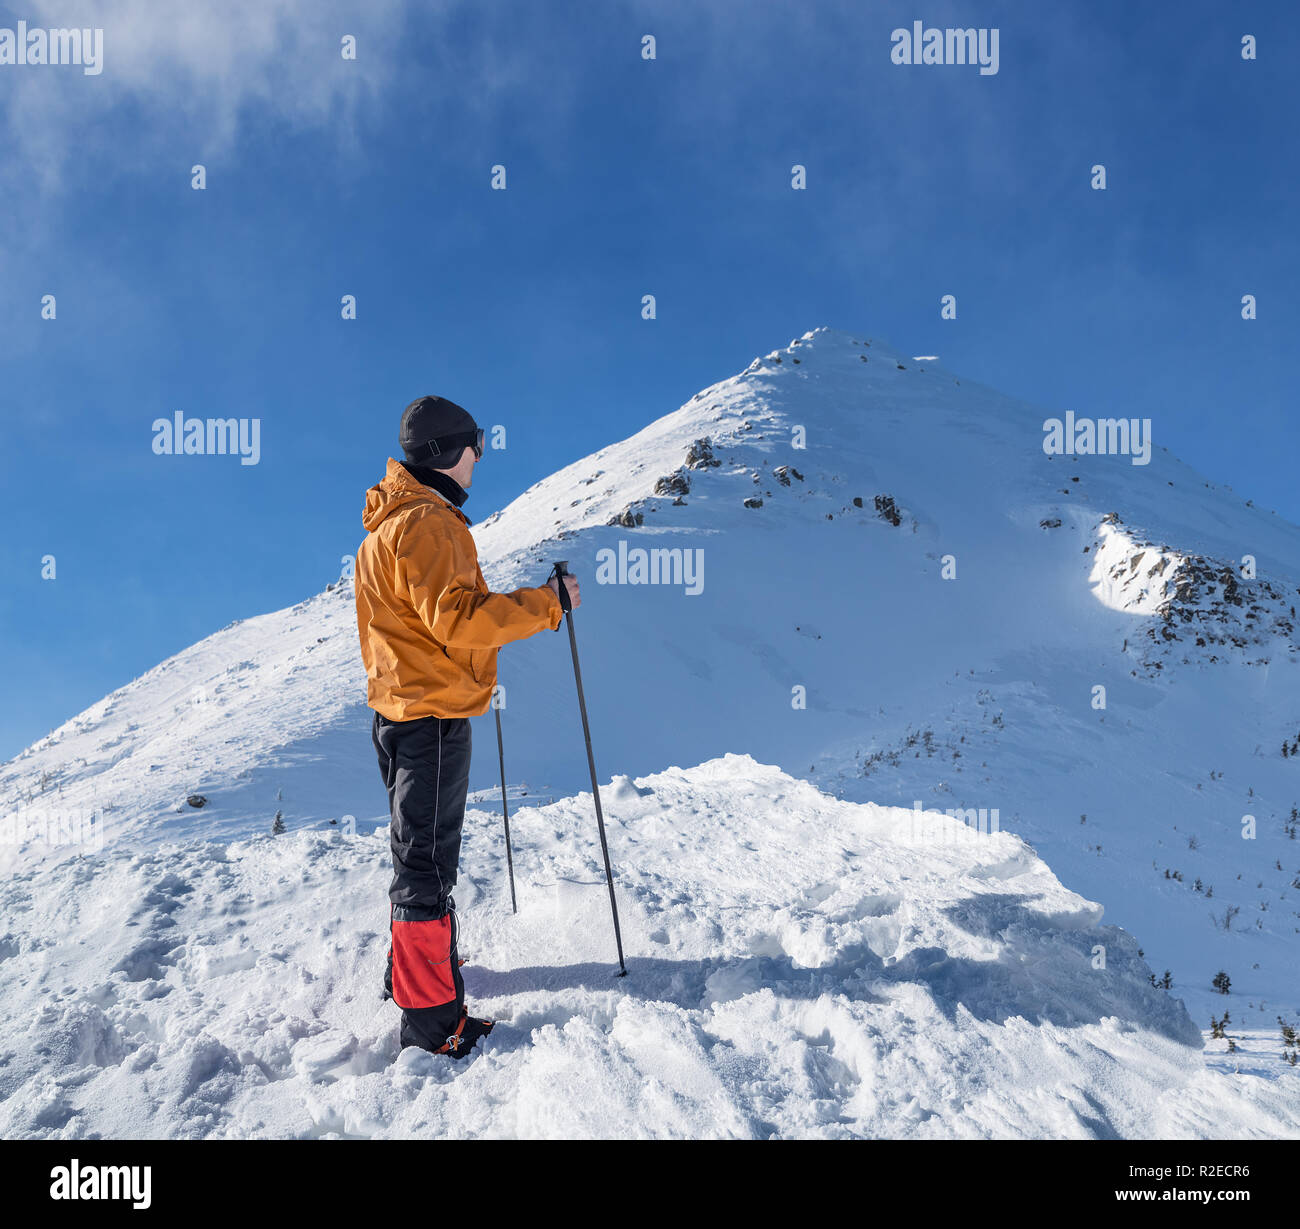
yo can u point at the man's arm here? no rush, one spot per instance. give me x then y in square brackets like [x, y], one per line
[441, 577]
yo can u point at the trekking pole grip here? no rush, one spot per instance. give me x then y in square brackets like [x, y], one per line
[560, 572]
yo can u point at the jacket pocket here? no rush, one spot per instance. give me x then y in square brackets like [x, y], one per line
[475, 664]
[480, 664]
[462, 660]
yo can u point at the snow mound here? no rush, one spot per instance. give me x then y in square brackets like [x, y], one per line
[800, 966]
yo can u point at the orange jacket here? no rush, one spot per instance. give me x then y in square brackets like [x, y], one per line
[429, 627]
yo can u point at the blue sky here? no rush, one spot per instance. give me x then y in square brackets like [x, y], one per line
[625, 178]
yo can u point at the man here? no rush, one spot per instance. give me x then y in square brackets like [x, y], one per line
[430, 630]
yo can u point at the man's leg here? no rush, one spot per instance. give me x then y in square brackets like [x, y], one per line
[425, 765]
[385, 770]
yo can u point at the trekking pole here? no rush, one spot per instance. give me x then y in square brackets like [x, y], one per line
[561, 567]
[505, 810]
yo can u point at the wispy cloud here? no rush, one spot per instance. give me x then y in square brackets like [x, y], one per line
[190, 73]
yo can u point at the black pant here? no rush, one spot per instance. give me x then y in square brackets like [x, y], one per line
[425, 767]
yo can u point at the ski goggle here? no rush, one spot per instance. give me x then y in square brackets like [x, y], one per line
[465, 439]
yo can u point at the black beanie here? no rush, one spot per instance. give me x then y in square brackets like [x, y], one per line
[426, 424]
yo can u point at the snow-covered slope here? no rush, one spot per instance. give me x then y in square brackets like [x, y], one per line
[900, 976]
[898, 597]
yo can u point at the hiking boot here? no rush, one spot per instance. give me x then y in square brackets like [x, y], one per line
[468, 1031]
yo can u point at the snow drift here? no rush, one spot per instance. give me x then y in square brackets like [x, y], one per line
[803, 967]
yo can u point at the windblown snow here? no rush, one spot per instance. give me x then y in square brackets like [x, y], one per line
[903, 608]
[802, 966]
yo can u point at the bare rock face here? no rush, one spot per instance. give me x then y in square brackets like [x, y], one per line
[628, 518]
[887, 510]
[673, 484]
[700, 454]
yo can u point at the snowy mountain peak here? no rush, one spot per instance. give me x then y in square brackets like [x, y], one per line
[893, 592]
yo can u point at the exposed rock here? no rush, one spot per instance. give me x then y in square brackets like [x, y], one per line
[887, 510]
[673, 484]
[700, 454]
[1203, 601]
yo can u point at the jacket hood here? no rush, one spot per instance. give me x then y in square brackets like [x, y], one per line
[398, 490]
